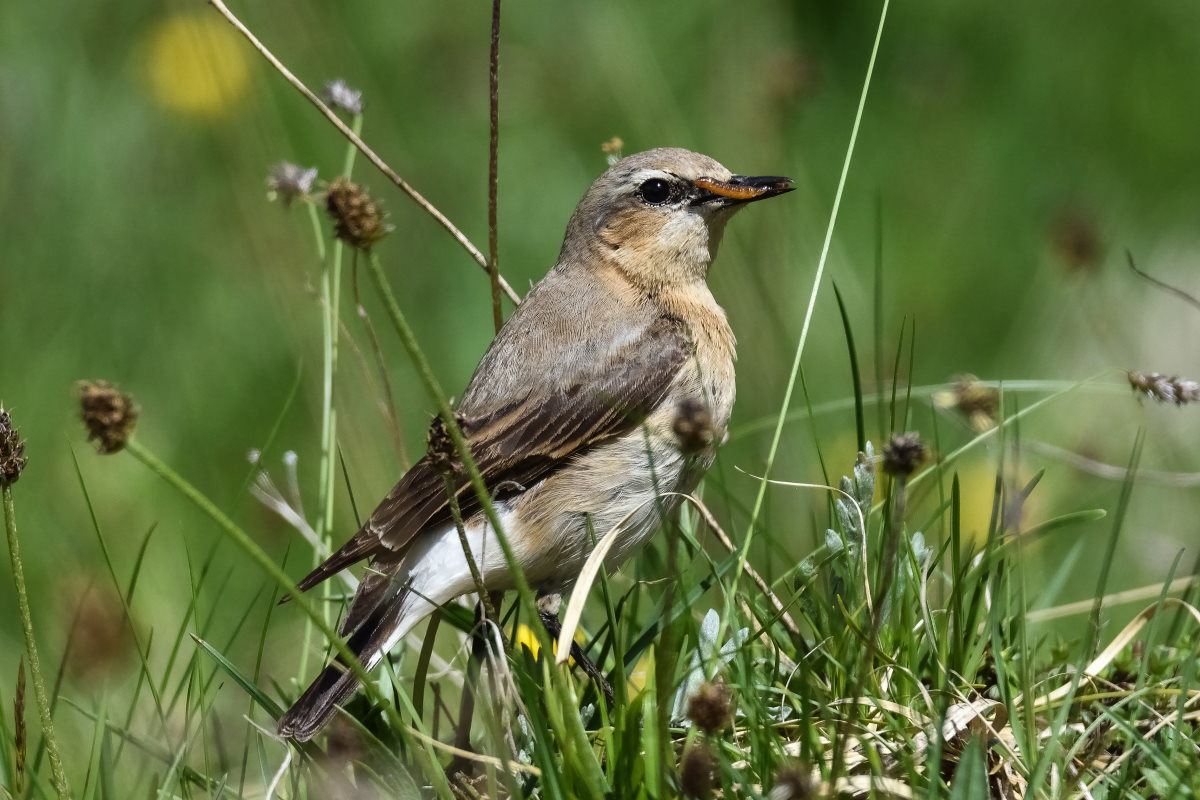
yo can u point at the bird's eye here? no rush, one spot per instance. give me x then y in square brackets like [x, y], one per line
[655, 191]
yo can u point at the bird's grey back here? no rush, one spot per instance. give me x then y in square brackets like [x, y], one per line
[567, 327]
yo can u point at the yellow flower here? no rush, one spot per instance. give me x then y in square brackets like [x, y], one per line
[977, 487]
[196, 64]
[635, 679]
[528, 639]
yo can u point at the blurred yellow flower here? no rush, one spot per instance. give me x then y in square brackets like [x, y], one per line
[196, 64]
[528, 639]
[635, 679]
[977, 488]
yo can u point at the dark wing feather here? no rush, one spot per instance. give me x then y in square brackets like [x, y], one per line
[336, 682]
[516, 446]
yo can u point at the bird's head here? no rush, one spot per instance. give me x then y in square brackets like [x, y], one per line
[658, 216]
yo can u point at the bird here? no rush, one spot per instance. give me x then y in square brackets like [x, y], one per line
[599, 403]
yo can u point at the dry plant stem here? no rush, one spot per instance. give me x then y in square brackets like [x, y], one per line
[370, 154]
[58, 775]
[762, 585]
[1166, 287]
[1138, 595]
[493, 168]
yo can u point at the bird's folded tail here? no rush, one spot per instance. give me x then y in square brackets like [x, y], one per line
[337, 681]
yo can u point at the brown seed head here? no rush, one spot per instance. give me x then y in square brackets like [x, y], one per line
[693, 426]
[1076, 243]
[903, 454]
[439, 447]
[12, 451]
[108, 413]
[974, 399]
[1165, 388]
[711, 708]
[792, 782]
[696, 771]
[358, 220]
[612, 149]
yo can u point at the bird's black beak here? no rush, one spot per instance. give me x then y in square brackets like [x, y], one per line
[740, 189]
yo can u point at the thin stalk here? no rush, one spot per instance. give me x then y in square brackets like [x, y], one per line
[314, 217]
[493, 266]
[476, 575]
[58, 775]
[331, 297]
[331, 303]
[808, 314]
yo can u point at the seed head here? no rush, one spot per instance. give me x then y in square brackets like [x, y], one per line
[12, 451]
[358, 219]
[903, 454]
[108, 413]
[693, 426]
[711, 708]
[1076, 242]
[289, 181]
[1165, 388]
[612, 149]
[696, 771]
[978, 403]
[439, 448]
[338, 94]
[792, 782]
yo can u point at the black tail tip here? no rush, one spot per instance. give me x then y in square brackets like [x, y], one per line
[299, 727]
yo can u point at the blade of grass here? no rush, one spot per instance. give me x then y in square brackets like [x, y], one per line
[249, 686]
[860, 424]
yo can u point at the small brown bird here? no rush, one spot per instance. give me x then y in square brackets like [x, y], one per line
[570, 416]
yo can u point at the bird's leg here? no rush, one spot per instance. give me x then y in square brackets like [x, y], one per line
[548, 605]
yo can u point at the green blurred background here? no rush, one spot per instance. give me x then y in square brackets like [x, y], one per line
[1012, 153]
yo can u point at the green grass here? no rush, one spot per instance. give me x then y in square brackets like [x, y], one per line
[894, 637]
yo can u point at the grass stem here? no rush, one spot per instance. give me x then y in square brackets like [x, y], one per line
[58, 774]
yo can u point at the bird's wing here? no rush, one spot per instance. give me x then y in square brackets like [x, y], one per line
[516, 445]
